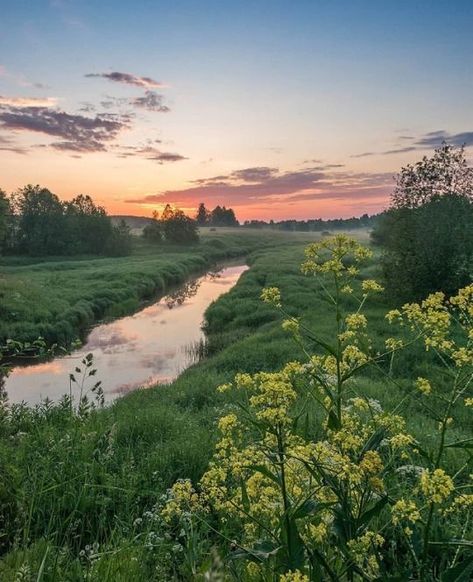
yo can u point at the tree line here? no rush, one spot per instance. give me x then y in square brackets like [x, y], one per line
[315, 224]
[35, 222]
[174, 226]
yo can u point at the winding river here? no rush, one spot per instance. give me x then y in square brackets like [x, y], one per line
[152, 346]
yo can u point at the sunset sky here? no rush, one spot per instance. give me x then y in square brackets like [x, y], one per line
[279, 109]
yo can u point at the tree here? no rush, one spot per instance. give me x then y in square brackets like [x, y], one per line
[154, 230]
[5, 219]
[40, 221]
[203, 215]
[178, 227]
[221, 216]
[88, 226]
[445, 173]
[427, 233]
[120, 241]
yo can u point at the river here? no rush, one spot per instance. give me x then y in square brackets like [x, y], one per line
[152, 346]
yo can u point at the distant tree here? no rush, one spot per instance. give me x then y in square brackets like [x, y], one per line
[154, 230]
[5, 219]
[40, 221]
[88, 226]
[177, 227]
[427, 234]
[203, 215]
[221, 216]
[168, 213]
[119, 242]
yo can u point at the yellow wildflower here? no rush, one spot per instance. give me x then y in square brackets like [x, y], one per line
[371, 286]
[356, 321]
[423, 385]
[436, 486]
[404, 510]
[271, 295]
[293, 576]
[371, 463]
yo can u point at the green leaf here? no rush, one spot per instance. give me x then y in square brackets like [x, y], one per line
[333, 420]
[266, 472]
[309, 507]
[244, 496]
[463, 444]
[462, 572]
[260, 552]
[367, 516]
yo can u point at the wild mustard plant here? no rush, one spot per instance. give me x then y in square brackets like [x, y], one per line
[311, 480]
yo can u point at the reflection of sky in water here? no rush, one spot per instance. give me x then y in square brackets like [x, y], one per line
[140, 350]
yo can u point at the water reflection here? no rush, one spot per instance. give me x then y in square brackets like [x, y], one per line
[149, 347]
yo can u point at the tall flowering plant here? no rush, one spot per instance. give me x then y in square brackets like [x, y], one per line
[311, 479]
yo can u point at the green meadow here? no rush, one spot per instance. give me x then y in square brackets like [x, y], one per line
[73, 489]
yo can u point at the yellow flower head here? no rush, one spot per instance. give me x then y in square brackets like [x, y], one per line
[293, 576]
[371, 286]
[403, 511]
[436, 486]
[271, 295]
[423, 385]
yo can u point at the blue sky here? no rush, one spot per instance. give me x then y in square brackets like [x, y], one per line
[326, 99]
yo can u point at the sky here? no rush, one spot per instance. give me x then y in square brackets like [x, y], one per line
[278, 109]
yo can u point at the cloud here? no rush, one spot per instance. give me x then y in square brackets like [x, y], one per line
[256, 174]
[386, 152]
[76, 132]
[129, 79]
[27, 101]
[8, 145]
[436, 138]
[151, 101]
[150, 153]
[432, 139]
[275, 187]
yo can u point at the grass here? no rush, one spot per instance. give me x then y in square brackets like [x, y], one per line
[69, 482]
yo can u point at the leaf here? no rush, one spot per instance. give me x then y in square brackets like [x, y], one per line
[292, 543]
[244, 496]
[463, 444]
[92, 372]
[266, 472]
[333, 420]
[309, 507]
[72, 378]
[373, 512]
[460, 573]
[261, 551]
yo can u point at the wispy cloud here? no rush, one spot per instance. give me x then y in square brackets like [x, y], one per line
[27, 101]
[150, 152]
[430, 140]
[435, 138]
[129, 79]
[386, 152]
[151, 101]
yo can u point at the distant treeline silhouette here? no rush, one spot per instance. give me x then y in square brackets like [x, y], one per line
[35, 222]
[219, 216]
[316, 224]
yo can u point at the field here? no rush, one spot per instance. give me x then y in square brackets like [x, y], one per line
[74, 489]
